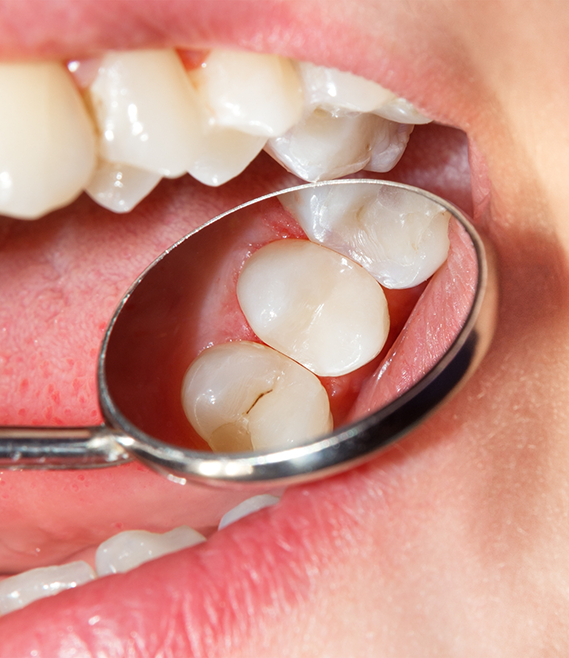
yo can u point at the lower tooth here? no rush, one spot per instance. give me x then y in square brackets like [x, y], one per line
[399, 237]
[18, 591]
[249, 506]
[120, 187]
[324, 146]
[131, 548]
[242, 395]
[314, 305]
[47, 140]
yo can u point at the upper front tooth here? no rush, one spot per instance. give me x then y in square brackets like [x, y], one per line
[314, 305]
[47, 142]
[146, 111]
[18, 591]
[400, 237]
[242, 395]
[257, 94]
[131, 548]
[247, 507]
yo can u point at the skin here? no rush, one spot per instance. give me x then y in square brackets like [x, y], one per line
[454, 543]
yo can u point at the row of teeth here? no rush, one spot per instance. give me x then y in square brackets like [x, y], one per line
[116, 125]
[319, 309]
[119, 554]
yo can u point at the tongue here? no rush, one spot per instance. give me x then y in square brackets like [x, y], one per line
[60, 280]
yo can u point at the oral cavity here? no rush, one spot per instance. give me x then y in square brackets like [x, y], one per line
[131, 118]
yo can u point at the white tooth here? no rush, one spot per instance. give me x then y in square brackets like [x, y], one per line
[249, 506]
[146, 110]
[401, 238]
[339, 91]
[120, 187]
[242, 395]
[47, 141]
[18, 591]
[314, 305]
[323, 146]
[257, 94]
[131, 548]
[223, 154]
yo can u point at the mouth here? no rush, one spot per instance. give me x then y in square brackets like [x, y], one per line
[62, 277]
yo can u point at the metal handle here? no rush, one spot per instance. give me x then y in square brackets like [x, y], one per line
[59, 448]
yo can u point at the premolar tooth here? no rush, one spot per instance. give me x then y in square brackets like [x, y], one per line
[47, 141]
[249, 506]
[18, 591]
[401, 238]
[402, 111]
[242, 396]
[120, 187]
[314, 305]
[256, 94]
[324, 146]
[146, 110]
[131, 548]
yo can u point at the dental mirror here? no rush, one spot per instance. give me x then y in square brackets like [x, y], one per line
[164, 323]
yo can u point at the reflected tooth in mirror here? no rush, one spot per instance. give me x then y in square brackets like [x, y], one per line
[47, 140]
[120, 187]
[324, 146]
[314, 305]
[146, 111]
[131, 548]
[241, 396]
[400, 238]
[249, 506]
[254, 93]
[18, 591]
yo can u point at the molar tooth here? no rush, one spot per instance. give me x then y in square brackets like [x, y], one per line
[256, 94]
[314, 305]
[249, 506]
[324, 146]
[399, 237]
[131, 548]
[18, 591]
[47, 141]
[120, 187]
[146, 110]
[242, 396]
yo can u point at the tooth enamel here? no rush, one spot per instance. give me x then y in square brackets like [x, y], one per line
[256, 94]
[120, 187]
[249, 506]
[47, 141]
[390, 142]
[131, 548]
[323, 146]
[146, 111]
[341, 92]
[314, 305]
[399, 237]
[241, 395]
[18, 591]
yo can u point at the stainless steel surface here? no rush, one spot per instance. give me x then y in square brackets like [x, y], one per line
[140, 423]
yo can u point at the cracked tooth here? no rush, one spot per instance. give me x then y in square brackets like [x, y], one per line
[249, 506]
[256, 94]
[131, 548]
[120, 187]
[146, 111]
[314, 305]
[18, 591]
[47, 142]
[324, 146]
[242, 395]
[401, 238]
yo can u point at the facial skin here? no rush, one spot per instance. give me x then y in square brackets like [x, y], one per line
[452, 544]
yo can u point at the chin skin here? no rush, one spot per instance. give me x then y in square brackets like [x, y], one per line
[453, 543]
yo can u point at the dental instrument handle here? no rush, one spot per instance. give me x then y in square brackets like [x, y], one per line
[60, 448]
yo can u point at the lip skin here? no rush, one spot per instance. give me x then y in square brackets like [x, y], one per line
[437, 542]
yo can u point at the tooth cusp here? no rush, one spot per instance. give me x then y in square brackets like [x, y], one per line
[314, 305]
[242, 396]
